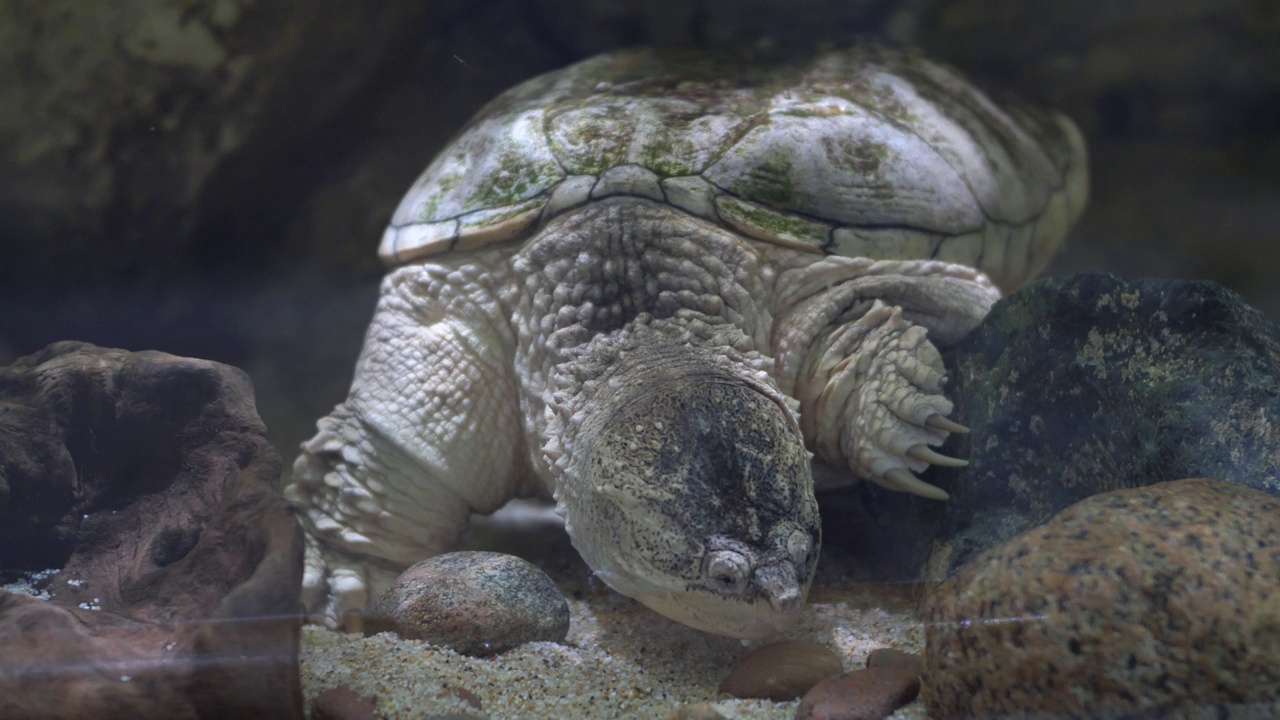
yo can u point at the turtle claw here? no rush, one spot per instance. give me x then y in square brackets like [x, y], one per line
[941, 422]
[924, 453]
[903, 480]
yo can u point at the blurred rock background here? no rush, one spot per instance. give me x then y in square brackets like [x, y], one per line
[211, 177]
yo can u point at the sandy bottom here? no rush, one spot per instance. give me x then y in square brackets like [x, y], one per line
[620, 660]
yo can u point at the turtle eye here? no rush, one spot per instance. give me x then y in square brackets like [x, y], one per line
[798, 548]
[727, 571]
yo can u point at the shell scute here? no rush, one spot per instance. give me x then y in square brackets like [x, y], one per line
[669, 136]
[851, 168]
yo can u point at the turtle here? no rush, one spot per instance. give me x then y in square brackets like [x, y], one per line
[681, 293]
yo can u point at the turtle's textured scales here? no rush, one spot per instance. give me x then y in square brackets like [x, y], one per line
[657, 287]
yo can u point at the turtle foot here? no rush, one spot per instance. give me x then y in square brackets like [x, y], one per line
[883, 409]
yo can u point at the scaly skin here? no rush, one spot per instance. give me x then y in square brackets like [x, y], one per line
[644, 366]
[857, 346]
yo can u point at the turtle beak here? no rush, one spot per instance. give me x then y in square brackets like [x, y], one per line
[780, 586]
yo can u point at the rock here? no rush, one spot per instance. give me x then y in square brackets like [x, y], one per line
[781, 671]
[343, 703]
[1160, 599]
[1082, 385]
[868, 694]
[148, 480]
[132, 123]
[476, 603]
[892, 657]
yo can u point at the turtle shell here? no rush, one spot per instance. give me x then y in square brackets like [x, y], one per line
[868, 152]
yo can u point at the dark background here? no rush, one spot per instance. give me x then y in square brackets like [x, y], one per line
[211, 177]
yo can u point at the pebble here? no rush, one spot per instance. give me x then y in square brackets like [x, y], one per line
[871, 693]
[1150, 600]
[343, 703]
[475, 603]
[781, 671]
[892, 657]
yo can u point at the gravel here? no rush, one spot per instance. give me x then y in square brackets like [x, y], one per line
[619, 659]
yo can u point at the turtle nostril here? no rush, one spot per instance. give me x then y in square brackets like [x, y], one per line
[788, 603]
[779, 585]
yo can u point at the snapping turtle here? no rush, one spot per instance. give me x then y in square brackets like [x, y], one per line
[660, 287]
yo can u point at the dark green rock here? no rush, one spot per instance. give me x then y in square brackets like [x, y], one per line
[1091, 383]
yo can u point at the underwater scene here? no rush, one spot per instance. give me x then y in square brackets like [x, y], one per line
[615, 359]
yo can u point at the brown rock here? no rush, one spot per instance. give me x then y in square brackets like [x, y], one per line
[476, 603]
[782, 670]
[867, 694]
[148, 480]
[1159, 599]
[343, 703]
[892, 657]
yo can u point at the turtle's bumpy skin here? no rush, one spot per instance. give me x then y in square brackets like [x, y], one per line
[659, 287]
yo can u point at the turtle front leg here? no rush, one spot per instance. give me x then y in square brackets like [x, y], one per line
[430, 432]
[862, 358]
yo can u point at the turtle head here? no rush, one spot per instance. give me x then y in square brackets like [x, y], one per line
[689, 489]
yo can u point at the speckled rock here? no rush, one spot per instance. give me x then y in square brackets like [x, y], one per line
[476, 603]
[1160, 599]
[1091, 383]
[781, 671]
[871, 693]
